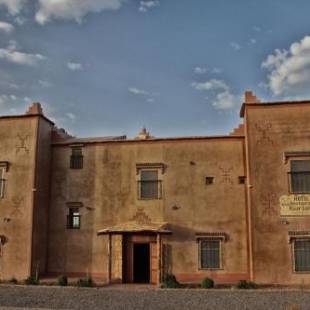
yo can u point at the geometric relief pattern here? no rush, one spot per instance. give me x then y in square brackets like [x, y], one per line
[226, 177]
[17, 204]
[264, 129]
[22, 143]
[268, 200]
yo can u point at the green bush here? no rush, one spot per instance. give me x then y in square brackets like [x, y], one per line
[32, 281]
[87, 282]
[243, 284]
[13, 281]
[63, 281]
[170, 281]
[207, 283]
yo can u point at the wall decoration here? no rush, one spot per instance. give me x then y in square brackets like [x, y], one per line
[22, 145]
[226, 177]
[17, 204]
[268, 200]
[264, 130]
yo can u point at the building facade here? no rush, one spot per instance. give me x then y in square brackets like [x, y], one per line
[130, 210]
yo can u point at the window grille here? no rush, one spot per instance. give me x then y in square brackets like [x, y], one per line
[210, 253]
[76, 159]
[74, 219]
[300, 176]
[302, 255]
[149, 185]
[2, 182]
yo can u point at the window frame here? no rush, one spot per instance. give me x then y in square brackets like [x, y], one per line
[74, 158]
[71, 216]
[149, 167]
[220, 240]
[293, 255]
[3, 171]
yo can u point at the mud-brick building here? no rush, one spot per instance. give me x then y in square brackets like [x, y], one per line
[130, 210]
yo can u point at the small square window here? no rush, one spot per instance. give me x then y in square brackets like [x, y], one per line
[74, 219]
[76, 159]
[209, 180]
[241, 179]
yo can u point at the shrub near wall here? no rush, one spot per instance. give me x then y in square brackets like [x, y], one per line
[170, 281]
[207, 283]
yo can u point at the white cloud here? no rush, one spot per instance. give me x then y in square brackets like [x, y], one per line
[212, 84]
[20, 20]
[236, 46]
[45, 84]
[289, 70]
[200, 70]
[72, 9]
[253, 41]
[74, 66]
[147, 5]
[257, 28]
[13, 6]
[223, 99]
[6, 27]
[216, 70]
[71, 116]
[11, 54]
[137, 91]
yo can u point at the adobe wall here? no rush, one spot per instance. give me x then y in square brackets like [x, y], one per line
[271, 131]
[18, 147]
[107, 187]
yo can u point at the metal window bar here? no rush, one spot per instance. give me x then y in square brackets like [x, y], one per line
[210, 254]
[76, 161]
[73, 221]
[2, 183]
[150, 189]
[302, 255]
[299, 181]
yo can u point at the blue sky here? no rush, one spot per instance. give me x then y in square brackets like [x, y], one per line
[178, 67]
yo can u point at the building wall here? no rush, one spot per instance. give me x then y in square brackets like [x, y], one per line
[271, 131]
[107, 187]
[18, 147]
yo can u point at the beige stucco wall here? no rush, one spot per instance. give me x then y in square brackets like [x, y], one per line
[107, 187]
[273, 130]
[17, 146]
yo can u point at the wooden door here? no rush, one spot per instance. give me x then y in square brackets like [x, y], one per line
[153, 263]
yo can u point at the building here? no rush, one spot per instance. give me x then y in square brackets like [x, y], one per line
[130, 210]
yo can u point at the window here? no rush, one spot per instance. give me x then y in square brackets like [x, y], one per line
[209, 180]
[149, 185]
[76, 159]
[74, 219]
[300, 176]
[210, 253]
[2, 182]
[301, 255]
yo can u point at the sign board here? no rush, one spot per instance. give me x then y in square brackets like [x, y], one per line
[295, 205]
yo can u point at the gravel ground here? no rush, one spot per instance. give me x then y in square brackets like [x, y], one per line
[12, 297]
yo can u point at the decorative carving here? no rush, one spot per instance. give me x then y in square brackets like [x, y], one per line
[264, 129]
[23, 141]
[268, 201]
[141, 218]
[17, 206]
[226, 175]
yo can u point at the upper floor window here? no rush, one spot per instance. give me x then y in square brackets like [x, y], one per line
[300, 176]
[74, 219]
[76, 159]
[301, 248]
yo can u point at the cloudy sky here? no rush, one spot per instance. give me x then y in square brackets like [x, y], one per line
[178, 67]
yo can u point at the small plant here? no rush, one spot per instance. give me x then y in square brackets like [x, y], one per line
[207, 283]
[243, 284]
[32, 281]
[170, 281]
[13, 281]
[63, 281]
[87, 282]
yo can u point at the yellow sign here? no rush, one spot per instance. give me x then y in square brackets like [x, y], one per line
[295, 205]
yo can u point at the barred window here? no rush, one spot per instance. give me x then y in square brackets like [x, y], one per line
[74, 219]
[300, 176]
[149, 185]
[76, 159]
[302, 255]
[210, 253]
[2, 182]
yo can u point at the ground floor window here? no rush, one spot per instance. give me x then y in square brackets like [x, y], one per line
[210, 253]
[301, 255]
